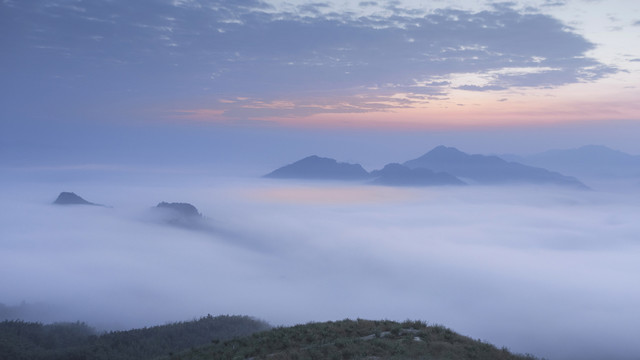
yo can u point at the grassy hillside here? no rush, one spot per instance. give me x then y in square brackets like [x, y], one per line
[77, 341]
[241, 337]
[349, 339]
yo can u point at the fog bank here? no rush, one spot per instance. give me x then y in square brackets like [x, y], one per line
[541, 270]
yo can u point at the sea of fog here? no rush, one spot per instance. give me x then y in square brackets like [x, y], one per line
[548, 271]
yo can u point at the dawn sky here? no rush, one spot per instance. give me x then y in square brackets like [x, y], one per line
[324, 65]
[130, 103]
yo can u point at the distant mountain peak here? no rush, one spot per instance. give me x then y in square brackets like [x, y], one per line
[601, 150]
[316, 167]
[487, 169]
[442, 150]
[71, 198]
[596, 147]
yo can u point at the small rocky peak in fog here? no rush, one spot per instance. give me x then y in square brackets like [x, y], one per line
[70, 198]
[183, 209]
[179, 214]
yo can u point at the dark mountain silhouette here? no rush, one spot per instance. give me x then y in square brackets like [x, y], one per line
[70, 198]
[315, 167]
[587, 161]
[488, 169]
[179, 214]
[183, 209]
[399, 175]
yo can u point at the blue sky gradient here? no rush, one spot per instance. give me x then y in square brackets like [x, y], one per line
[102, 72]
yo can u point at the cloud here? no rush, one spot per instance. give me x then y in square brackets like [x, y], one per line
[515, 266]
[554, 3]
[204, 48]
[300, 107]
[480, 88]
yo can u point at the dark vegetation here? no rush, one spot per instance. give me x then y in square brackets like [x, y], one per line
[353, 339]
[21, 340]
[242, 337]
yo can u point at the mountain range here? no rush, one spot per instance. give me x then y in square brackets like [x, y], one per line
[315, 167]
[484, 169]
[399, 175]
[440, 166]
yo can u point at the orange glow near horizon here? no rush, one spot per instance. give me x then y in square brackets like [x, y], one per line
[462, 109]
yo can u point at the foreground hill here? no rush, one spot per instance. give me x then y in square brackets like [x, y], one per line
[488, 169]
[353, 339]
[33, 341]
[315, 167]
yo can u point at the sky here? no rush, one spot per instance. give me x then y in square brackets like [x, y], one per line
[130, 103]
[93, 81]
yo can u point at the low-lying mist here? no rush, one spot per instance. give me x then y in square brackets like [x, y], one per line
[547, 271]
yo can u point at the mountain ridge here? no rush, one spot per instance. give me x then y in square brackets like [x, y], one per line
[320, 168]
[395, 174]
[488, 169]
[440, 166]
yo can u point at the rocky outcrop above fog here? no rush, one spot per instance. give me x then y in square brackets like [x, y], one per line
[70, 198]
